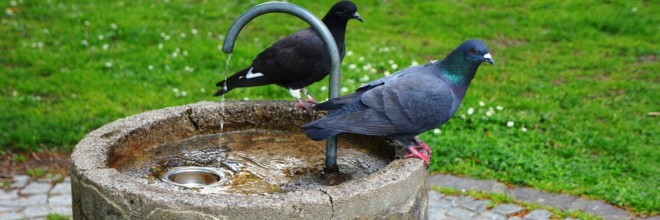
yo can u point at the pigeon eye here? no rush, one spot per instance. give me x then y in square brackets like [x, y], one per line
[473, 51]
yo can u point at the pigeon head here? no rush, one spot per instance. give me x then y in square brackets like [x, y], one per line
[344, 10]
[476, 52]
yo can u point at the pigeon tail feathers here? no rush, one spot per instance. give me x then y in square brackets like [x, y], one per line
[318, 134]
[241, 79]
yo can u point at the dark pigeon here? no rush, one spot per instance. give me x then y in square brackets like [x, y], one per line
[405, 104]
[298, 60]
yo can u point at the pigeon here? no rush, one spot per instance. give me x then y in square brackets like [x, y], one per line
[297, 60]
[406, 103]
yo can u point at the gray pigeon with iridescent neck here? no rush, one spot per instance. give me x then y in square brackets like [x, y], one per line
[407, 103]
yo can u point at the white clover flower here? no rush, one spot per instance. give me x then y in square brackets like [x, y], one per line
[364, 78]
[13, 3]
[394, 66]
[182, 35]
[490, 112]
[324, 88]
[84, 43]
[470, 111]
[14, 93]
[193, 31]
[373, 71]
[175, 90]
[481, 103]
[101, 37]
[633, 9]
[185, 53]
[361, 58]
[349, 53]
[523, 129]
[184, 93]
[108, 64]
[386, 73]
[105, 46]
[246, 98]
[366, 67]
[189, 69]
[510, 124]
[463, 116]
[46, 31]
[209, 34]
[499, 108]
[437, 131]
[202, 90]
[113, 26]
[9, 12]
[390, 62]
[352, 66]
[344, 89]
[414, 63]
[150, 67]
[87, 23]
[160, 46]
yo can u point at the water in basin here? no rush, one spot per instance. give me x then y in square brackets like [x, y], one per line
[255, 161]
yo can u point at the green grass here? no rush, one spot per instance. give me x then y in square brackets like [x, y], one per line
[579, 76]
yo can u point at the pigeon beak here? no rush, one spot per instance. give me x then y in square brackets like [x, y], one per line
[489, 59]
[357, 16]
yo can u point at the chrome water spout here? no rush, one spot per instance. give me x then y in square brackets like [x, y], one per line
[326, 37]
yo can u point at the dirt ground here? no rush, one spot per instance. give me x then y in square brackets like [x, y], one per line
[40, 163]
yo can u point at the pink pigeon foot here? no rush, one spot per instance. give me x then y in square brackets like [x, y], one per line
[424, 146]
[311, 100]
[419, 152]
[304, 105]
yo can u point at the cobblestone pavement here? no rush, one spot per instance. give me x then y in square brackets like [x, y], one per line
[35, 199]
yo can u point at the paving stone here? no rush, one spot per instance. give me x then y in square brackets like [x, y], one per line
[535, 196]
[11, 215]
[467, 183]
[477, 205]
[20, 181]
[657, 217]
[61, 188]
[36, 211]
[606, 211]
[62, 210]
[460, 213]
[60, 200]
[36, 188]
[507, 209]
[8, 194]
[435, 195]
[9, 209]
[33, 200]
[515, 218]
[488, 215]
[538, 214]
[437, 213]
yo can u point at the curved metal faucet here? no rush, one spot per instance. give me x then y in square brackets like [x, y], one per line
[326, 37]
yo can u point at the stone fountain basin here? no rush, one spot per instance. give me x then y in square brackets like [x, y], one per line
[102, 191]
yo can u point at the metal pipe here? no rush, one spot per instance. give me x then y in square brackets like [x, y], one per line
[326, 37]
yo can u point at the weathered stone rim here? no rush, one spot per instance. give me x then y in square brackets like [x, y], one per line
[404, 180]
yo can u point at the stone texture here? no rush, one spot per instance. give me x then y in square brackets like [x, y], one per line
[538, 214]
[11, 215]
[61, 188]
[507, 209]
[399, 191]
[60, 200]
[62, 210]
[488, 215]
[33, 200]
[20, 181]
[606, 211]
[36, 211]
[36, 188]
[8, 195]
[477, 205]
[460, 213]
